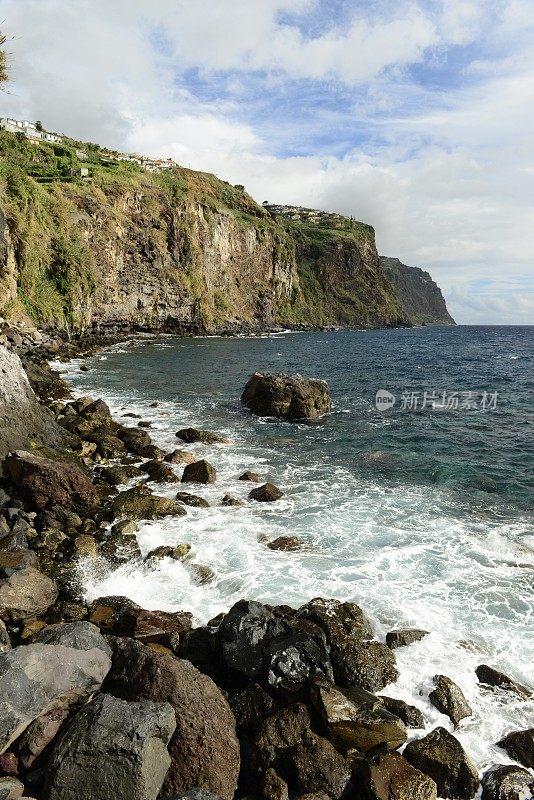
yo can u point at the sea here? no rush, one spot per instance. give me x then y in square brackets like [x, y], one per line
[414, 497]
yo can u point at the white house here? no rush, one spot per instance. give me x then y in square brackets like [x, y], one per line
[29, 129]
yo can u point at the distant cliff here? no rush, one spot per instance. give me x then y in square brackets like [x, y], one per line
[420, 296]
[178, 251]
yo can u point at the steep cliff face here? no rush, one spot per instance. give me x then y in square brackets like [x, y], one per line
[419, 294]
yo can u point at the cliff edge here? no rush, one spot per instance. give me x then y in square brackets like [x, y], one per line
[420, 296]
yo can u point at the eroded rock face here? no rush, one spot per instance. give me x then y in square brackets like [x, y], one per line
[116, 748]
[441, 756]
[507, 783]
[288, 397]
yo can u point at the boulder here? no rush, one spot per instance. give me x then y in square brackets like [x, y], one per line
[318, 767]
[152, 626]
[369, 665]
[139, 505]
[228, 501]
[495, 679]
[12, 561]
[389, 776]
[192, 500]
[195, 794]
[288, 397]
[39, 734]
[192, 435]
[204, 749]
[441, 756]
[448, 698]
[247, 475]
[151, 451]
[120, 474]
[84, 547]
[107, 444]
[120, 548]
[35, 677]
[250, 707]
[10, 788]
[267, 493]
[410, 715]
[116, 748]
[179, 457]
[80, 635]
[273, 787]
[135, 439]
[278, 735]
[507, 783]
[159, 472]
[5, 641]
[199, 472]
[339, 621]
[44, 482]
[178, 553]
[286, 543]
[27, 593]
[404, 636]
[520, 746]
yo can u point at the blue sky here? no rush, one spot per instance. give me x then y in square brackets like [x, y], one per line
[415, 115]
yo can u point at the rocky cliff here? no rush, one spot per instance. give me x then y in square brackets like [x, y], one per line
[180, 251]
[420, 296]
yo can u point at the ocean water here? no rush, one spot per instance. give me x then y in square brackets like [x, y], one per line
[424, 515]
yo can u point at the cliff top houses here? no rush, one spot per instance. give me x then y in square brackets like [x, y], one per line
[29, 129]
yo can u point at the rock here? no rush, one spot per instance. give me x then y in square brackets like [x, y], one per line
[278, 735]
[118, 747]
[192, 435]
[250, 707]
[120, 548]
[356, 719]
[10, 788]
[273, 787]
[35, 676]
[134, 439]
[494, 678]
[106, 612]
[27, 593]
[369, 665]
[267, 493]
[158, 472]
[410, 715]
[507, 783]
[389, 776]
[199, 472]
[178, 553]
[404, 636]
[228, 500]
[40, 733]
[289, 397]
[247, 475]
[5, 641]
[44, 482]
[202, 574]
[318, 767]
[9, 764]
[441, 756]
[180, 457]
[107, 444]
[79, 635]
[448, 698]
[195, 794]
[152, 626]
[125, 526]
[339, 621]
[204, 749]
[66, 611]
[520, 746]
[118, 475]
[192, 500]
[84, 547]
[286, 543]
[152, 452]
[135, 505]
[14, 560]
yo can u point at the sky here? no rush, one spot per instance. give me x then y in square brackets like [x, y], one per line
[416, 116]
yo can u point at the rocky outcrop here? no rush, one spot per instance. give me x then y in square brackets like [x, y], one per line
[441, 756]
[420, 296]
[520, 746]
[286, 396]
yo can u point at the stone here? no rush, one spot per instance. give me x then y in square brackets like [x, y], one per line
[27, 593]
[124, 526]
[247, 475]
[199, 472]
[288, 397]
[119, 747]
[250, 707]
[192, 500]
[278, 734]
[204, 749]
[84, 547]
[520, 746]
[9, 764]
[120, 548]
[106, 612]
[338, 620]
[44, 482]
[369, 665]
[180, 457]
[107, 444]
[286, 543]
[10, 788]
[410, 715]
[119, 475]
[80, 635]
[192, 435]
[195, 794]
[268, 493]
[441, 756]
[134, 439]
[152, 452]
[159, 472]
[136, 505]
[202, 574]
[34, 677]
[449, 699]
[318, 767]
[389, 776]
[152, 626]
[273, 787]
[404, 636]
[228, 500]
[495, 679]
[40, 733]
[13, 560]
[5, 641]
[355, 718]
[507, 783]
[178, 553]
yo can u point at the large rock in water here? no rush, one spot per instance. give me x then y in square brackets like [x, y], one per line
[204, 749]
[112, 749]
[507, 783]
[289, 397]
[441, 756]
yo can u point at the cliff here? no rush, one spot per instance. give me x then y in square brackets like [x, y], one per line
[420, 296]
[179, 251]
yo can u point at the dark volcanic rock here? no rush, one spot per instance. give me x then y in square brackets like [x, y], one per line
[448, 698]
[404, 636]
[441, 756]
[520, 746]
[80, 635]
[204, 749]
[267, 493]
[370, 665]
[289, 397]
[121, 474]
[338, 620]
[318, 767]
[229, 501]
[192, 500]
[117, 748]
[286, 543]
[278, 735]
[158, 472]
[247, 475]
[199, 472]
[418, 293]
[178, 553]
[250, 707]
[410, 715]
[507, 783]
[192, 435]
[494, 678]
[152, 626]
[390, 777]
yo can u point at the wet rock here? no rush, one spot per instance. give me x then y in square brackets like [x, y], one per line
[441, 756]
[389, 776]
[44, 482]
[520, 746]
[288, 397]
[202, 574]
[507, 783]
[267, 493]
[404, 636]
[228, 500]
[286, 543]
[119, 475]
[195, 794]
[158, 472]
[152, 626]
[278, 735]
[120, 548]
[66, 611]
[356, 719]
[152, 452]
[494, 678]
[273, 787]
[119, 747]
[136, 505]
[178, 553]
[180, 457]
[84, 547]
[192, 435]
[448, 698]
[192, 500]
[107, 444]
[106, 612]
[247, 475]
[369, 665]
[27, 593]
[410, 715]
[125, 526]
[35, 676]
[339, 621]
[318, 767]
[199, 472]
[204, 749]
[250, 707]
[9, 764]
[134, 439]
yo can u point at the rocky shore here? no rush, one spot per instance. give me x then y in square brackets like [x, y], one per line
[110, 700]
